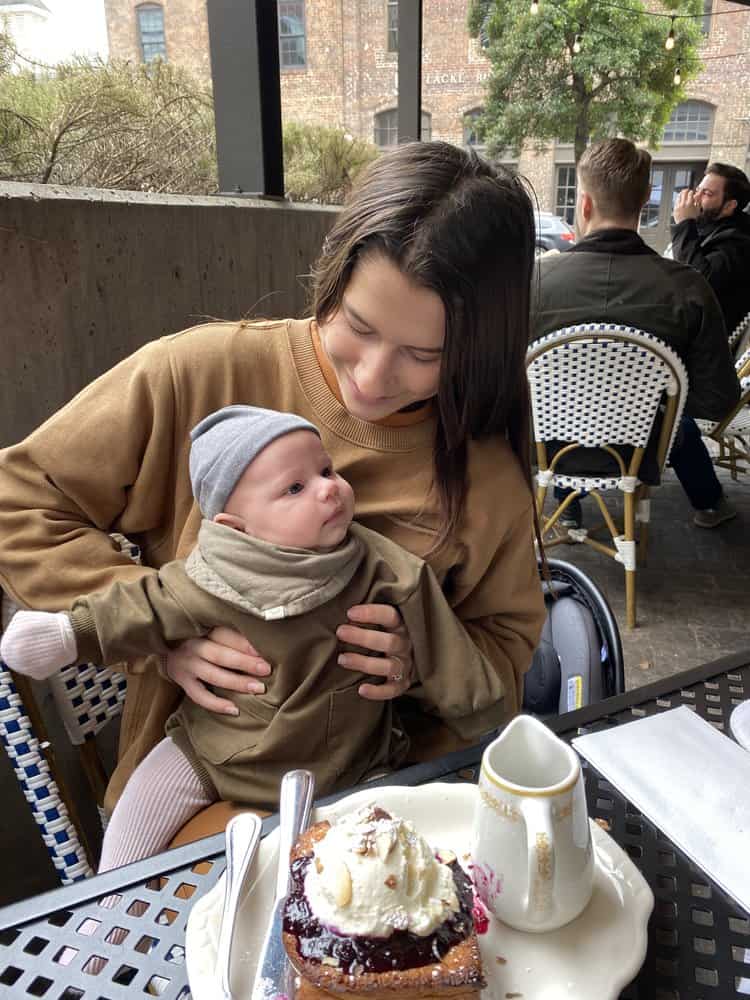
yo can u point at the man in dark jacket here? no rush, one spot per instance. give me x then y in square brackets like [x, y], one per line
[611, 276]
[712, 234]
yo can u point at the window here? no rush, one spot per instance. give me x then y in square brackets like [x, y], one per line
[691, 121]
[392, 25]
[484, 32]
[151, 32]
[386, 127]
[652, 208]
[471, 132]
[565, 200]
[706, 19]
[292, 35]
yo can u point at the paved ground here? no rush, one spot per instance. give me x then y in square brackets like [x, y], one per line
[693, 607]
[693, 594]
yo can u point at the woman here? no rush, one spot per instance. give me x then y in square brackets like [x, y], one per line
[413, 369]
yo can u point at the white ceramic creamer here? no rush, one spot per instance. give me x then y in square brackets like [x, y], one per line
[532, 859]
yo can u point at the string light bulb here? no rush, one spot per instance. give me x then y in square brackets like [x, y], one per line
[677, 77]
[534, 9]
[669, 44]
[577, 43]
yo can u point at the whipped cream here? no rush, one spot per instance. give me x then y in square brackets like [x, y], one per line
[373, 874]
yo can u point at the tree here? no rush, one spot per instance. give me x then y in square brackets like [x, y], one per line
[320, 164]
[621, 82]
[108, 125]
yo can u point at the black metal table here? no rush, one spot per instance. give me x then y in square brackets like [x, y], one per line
[62, 945]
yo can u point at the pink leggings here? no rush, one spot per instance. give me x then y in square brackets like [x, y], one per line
[162, 794]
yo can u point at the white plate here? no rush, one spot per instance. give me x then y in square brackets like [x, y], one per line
[592, 958]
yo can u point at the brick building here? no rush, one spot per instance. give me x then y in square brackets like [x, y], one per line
[339, 67]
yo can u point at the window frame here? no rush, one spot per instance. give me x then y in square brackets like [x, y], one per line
[690, 104]
[392, 127]
[563, 208]
[471, 114]
[150, 7]
[286, 67]
[391, 26]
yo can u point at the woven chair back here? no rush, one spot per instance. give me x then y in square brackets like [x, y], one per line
[601, 384]
[739, 339]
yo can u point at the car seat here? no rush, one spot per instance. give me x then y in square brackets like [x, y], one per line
[579, 659]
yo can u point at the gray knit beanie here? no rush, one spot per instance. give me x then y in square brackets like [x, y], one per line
[225, 443]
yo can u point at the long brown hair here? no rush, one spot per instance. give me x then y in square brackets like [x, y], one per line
[457, 225]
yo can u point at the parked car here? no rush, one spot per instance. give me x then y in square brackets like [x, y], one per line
[553, 233]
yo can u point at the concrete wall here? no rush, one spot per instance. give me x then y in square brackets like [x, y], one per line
[87, 277]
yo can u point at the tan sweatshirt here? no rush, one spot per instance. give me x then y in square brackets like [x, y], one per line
[290, 601]
[116, 458]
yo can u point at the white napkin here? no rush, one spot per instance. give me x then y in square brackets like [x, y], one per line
[689, 780]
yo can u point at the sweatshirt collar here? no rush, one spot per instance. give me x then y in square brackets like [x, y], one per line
[270, 581]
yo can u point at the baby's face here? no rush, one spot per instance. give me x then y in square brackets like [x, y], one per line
[290, 495]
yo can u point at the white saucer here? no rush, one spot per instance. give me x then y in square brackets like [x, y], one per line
[739, 723]
[592, 958]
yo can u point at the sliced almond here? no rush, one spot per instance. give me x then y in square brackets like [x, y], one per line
[342, 884]
[445, 856]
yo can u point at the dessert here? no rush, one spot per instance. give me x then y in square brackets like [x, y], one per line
[373, 911]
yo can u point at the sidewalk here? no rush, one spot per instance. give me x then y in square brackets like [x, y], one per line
[693, 594]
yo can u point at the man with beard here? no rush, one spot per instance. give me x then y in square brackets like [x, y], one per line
[712, 234]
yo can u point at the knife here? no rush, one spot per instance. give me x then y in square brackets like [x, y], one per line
[242, 837]
[274, 977]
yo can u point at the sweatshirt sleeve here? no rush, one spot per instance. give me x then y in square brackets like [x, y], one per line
[68, 483]
[134, 619]
[470, 665]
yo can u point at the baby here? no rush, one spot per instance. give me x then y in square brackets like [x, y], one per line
[279, 560]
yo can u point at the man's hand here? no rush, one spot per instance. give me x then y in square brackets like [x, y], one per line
[687, 206]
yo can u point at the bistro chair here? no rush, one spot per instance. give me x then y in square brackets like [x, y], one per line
[739, 339]
[87, 698]
[602, 386]
[732, 434]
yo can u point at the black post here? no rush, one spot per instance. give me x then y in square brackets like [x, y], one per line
[409, 70]
[244, 44]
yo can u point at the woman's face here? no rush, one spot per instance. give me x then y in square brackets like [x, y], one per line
[385, 342]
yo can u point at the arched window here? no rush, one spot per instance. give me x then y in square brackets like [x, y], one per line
[386, 127]
[691, 121]
[471, 134]
[151, 32]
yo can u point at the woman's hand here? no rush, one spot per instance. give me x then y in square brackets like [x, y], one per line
[223, 658]
[391, 640]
